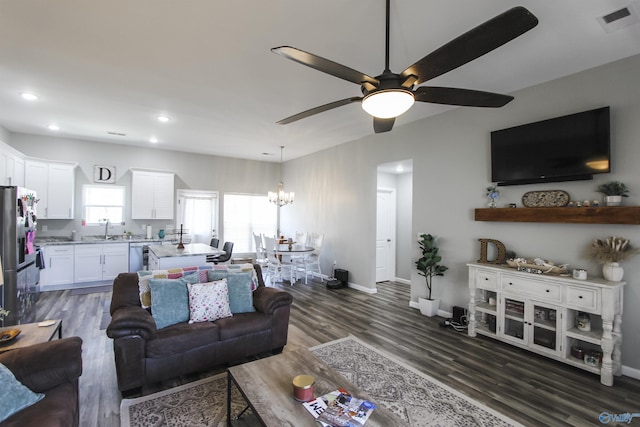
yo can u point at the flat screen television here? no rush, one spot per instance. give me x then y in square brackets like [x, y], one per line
[566, 148]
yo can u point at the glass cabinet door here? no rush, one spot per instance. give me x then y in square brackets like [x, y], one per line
[545, 327]
[514, 326]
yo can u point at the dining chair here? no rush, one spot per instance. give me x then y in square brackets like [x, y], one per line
[214, 242]
[276, 267]
[261, 255]
[312, 260]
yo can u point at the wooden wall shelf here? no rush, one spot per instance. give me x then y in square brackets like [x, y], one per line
[600, 215]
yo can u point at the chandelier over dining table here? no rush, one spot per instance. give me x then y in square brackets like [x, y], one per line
[281, 197]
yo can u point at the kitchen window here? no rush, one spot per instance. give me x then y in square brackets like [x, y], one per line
[102, 202]
[245, 214]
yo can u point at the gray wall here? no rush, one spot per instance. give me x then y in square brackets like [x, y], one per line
[193, 171]
[336, 188]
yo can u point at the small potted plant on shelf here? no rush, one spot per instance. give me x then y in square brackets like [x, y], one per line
[613, 191]
[610, 252]
[428, 266]
[493, 194]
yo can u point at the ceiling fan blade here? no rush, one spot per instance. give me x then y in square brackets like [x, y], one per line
[473, 44]
[383, 125]
[319, 109]
[464, 97]
[324, 65]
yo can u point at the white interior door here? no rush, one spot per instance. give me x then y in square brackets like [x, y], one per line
[385, 234]
[198, 212]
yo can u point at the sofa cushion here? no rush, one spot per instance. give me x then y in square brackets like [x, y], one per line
[243, 324]
[239, 286]
[176, 339]
[208, 301]
[13, 395]
[170, 299]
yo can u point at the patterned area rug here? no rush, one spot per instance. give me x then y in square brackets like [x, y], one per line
[414, 397]
[197, 404]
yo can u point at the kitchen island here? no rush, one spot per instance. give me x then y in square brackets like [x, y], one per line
[169, 256]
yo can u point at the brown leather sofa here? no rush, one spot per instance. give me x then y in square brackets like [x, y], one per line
[52, 368]
[146, 355]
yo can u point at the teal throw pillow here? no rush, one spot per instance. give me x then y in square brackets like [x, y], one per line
[170, 300]
[14, 396]
[239, 289]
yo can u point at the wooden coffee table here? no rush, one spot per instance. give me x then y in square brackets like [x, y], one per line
[266, 386]
[31, 334]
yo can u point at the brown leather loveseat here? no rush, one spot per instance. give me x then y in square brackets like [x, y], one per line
[145, 354]
[52, 368]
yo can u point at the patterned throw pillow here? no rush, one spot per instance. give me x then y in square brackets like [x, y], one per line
[208, 301]
[170, 299]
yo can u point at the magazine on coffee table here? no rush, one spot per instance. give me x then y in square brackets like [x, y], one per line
[340, 409]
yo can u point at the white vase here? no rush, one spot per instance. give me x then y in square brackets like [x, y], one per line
[429, 307]
[613, 200]
[612, 271]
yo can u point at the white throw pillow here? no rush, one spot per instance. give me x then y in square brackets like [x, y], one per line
[208, 301]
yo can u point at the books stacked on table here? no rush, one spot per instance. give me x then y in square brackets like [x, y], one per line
[340, 409]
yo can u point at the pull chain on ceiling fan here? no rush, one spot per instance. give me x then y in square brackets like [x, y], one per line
[389, 95]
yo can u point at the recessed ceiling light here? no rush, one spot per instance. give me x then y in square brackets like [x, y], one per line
[29, 96]
[153, 140]
[53, 127]
[163, 119]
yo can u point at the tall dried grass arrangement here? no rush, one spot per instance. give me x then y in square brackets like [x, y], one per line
[612, 249]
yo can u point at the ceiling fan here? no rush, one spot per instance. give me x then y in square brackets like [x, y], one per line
[388, 95]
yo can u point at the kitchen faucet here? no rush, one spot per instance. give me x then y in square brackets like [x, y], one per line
[106, 229]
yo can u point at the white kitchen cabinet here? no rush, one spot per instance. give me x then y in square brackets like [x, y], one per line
[98, 262]
[54, 183]
[152, 194]
[538, 312]
[58, 262]
[11, 166]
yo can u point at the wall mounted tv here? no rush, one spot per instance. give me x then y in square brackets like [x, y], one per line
[567, 148]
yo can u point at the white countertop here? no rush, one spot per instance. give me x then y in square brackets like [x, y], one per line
[192, 249]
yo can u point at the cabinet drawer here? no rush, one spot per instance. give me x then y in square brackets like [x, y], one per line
[59, 250]
[534, 288]
[582, 298]
[486, 280]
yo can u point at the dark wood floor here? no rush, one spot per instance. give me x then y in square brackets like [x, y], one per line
[530, 389]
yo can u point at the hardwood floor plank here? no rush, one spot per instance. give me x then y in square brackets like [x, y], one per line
[531, 389]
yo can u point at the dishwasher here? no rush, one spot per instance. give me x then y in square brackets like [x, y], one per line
[139, 255]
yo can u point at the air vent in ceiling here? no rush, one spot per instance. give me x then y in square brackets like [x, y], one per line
[117, 133]
[619, 19]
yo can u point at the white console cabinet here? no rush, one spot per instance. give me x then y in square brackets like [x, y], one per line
[538, 312]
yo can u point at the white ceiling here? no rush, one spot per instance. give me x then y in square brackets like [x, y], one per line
[114, 66]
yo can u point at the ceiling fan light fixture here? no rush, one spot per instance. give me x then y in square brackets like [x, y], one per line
[388, 103]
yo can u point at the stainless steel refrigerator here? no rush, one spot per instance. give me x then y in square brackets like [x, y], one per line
[18, 216]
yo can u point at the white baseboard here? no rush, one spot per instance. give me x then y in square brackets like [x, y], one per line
[631, 372]
[403, 281]
[363, 289]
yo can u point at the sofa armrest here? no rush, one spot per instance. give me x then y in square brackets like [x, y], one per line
[266, 300]
[132, 320]
[43, 366]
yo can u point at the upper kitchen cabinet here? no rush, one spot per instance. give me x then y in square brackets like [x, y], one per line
[54, 183]
[151, 194]
[11, 166]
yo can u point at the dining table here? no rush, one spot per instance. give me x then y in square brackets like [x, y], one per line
[292, 250]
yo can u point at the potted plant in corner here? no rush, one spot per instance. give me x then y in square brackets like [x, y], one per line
[613, 192]
[428, 266]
